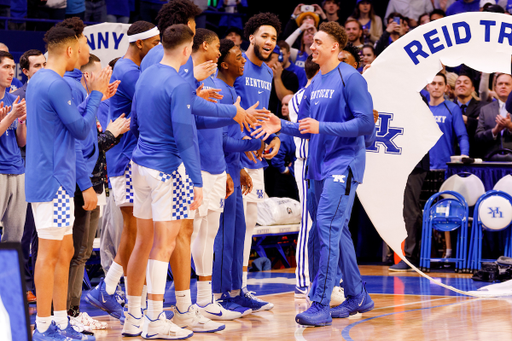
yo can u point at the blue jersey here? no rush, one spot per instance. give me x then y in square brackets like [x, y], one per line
[286, 154]
[54, 125]
[121, 103]
[300, 61]
[78, 92]
[15, 85]
[340, 101]
[255, 85]
[449, 118]
[164, 124]
[460, 6]
[11, 161]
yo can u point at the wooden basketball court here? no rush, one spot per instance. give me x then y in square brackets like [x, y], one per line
[407, 307]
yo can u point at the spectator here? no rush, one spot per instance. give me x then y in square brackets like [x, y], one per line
[449, 118]
[437, 14]
[393, 31]
[409, 8]
[368, 54]
[332, 9]
[284, 82]
[235, 35]
[465, 98]
[451, 78]
[298, 19]
[118, 11]
[287, 65]
[149, 10]
[75, 8]
[16, 83]
[95, 11]
[231, 6]
[462, 6]
[30, 62]
[354, 31]
[53, 9]
[424, 19]
[299, 56]
[443, 4]
[371, 23]
[494, 129]
[494, 8]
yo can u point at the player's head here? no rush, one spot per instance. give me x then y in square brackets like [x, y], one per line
[31, 61]
[231, 60]
[143, 36]
[311, 68]
[113, 62]
[63, 45]
[77, 25]
[285, 51]
[208, 43]
[177, 41]
[284, 107]
[438, 86]
[178, 12]
[93, 66]
[262, 31]
[350, 55]
[464, 86]
[329, 41]
[7, 67]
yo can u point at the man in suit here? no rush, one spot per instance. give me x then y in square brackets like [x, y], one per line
[470, 108]
[494, 129]
[30, 62]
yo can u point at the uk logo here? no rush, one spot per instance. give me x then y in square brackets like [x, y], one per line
[339, 178]
[259, 192]
[496, 213]
[221, 204]
[385, 135]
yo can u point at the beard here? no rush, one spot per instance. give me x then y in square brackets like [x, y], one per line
[258, 53]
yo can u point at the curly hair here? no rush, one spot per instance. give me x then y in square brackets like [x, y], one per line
[176, 12]
[75, 23]
[225, 46]
[258, 20]
[354, 51]
[203, 35]
[338, 33]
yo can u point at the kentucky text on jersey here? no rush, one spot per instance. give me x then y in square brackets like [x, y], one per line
[323, 93]
[258, 83]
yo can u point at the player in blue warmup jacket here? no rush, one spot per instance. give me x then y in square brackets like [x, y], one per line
[142, 37]
[54, 125]
[335, 114]
[449, 118]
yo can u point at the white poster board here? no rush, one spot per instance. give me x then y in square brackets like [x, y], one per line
[107, 41]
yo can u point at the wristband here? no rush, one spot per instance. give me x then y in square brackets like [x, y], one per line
[293, 16]
[20, 121]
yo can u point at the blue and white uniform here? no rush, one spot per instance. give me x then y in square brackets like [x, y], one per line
[51, 159]
[340, 101]
[162, 121]
[449, 118]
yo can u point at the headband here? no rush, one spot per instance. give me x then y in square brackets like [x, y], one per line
[144, 35]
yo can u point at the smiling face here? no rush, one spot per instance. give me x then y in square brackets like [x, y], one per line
[235, 62]
[213, 53]
[323, 47]
[348, 58]
[354, 32]
[264, 40]
[463, 86]
[7, 67]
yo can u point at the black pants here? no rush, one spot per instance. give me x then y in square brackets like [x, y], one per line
[413, 215]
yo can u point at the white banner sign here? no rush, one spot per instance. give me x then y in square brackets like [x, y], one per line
[107, 41]
[406, 128]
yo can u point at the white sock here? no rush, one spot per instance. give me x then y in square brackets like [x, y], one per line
[126, 285]
[61, 318]
[204, 293]
[43, 323]
[217, 296]
[183, 300]
[156, 276]
[448, 253]
[134, 306]
[234, 293]
[144, 297]
[154, 309]
[112, 278]
[244, 279]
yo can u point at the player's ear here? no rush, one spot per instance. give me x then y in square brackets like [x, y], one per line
[139, 44]
[251, 39]
[224, 65]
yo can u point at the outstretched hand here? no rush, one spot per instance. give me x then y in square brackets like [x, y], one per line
[243, 118]
[211, 95]
[268, 127]
[120, 126]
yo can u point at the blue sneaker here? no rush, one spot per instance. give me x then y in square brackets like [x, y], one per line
[401, 267]
[73, 334]
[246, 299]
[318, 315]
[51, 334]
[301, 292]
[227, 303]
[361, 303]
[99, 298]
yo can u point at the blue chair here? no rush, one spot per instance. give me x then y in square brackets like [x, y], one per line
[493, 212]
[445, 214]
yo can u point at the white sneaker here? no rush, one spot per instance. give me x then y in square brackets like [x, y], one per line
[337, 296]
[162, 328]
[132, 325]
[83, 319]
[194, 321]
[215, 311]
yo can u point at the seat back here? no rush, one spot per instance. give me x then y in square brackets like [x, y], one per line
[468, 185]
[495, 211]
[447, 214]
[504, 185]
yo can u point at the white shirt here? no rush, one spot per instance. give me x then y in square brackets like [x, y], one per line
[409, 8]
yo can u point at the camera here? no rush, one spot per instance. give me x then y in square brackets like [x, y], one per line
[307, 8]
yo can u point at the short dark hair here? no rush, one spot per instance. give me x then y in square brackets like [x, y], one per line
[4, 54]
[225, 46]
[437, 11]
[113, 62]
[444, 76]
[74, 23]
[261, 19]
[311, 67]
[469, 76]
[336, 31]
[203, 35]
[24, 61]
[58, 35]
[354, 51]
[139, 27]
[369, 46]
[176, 12]
[283, 45]
[493, 8]
[394, 14]
[176, 35]
[92, 59]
